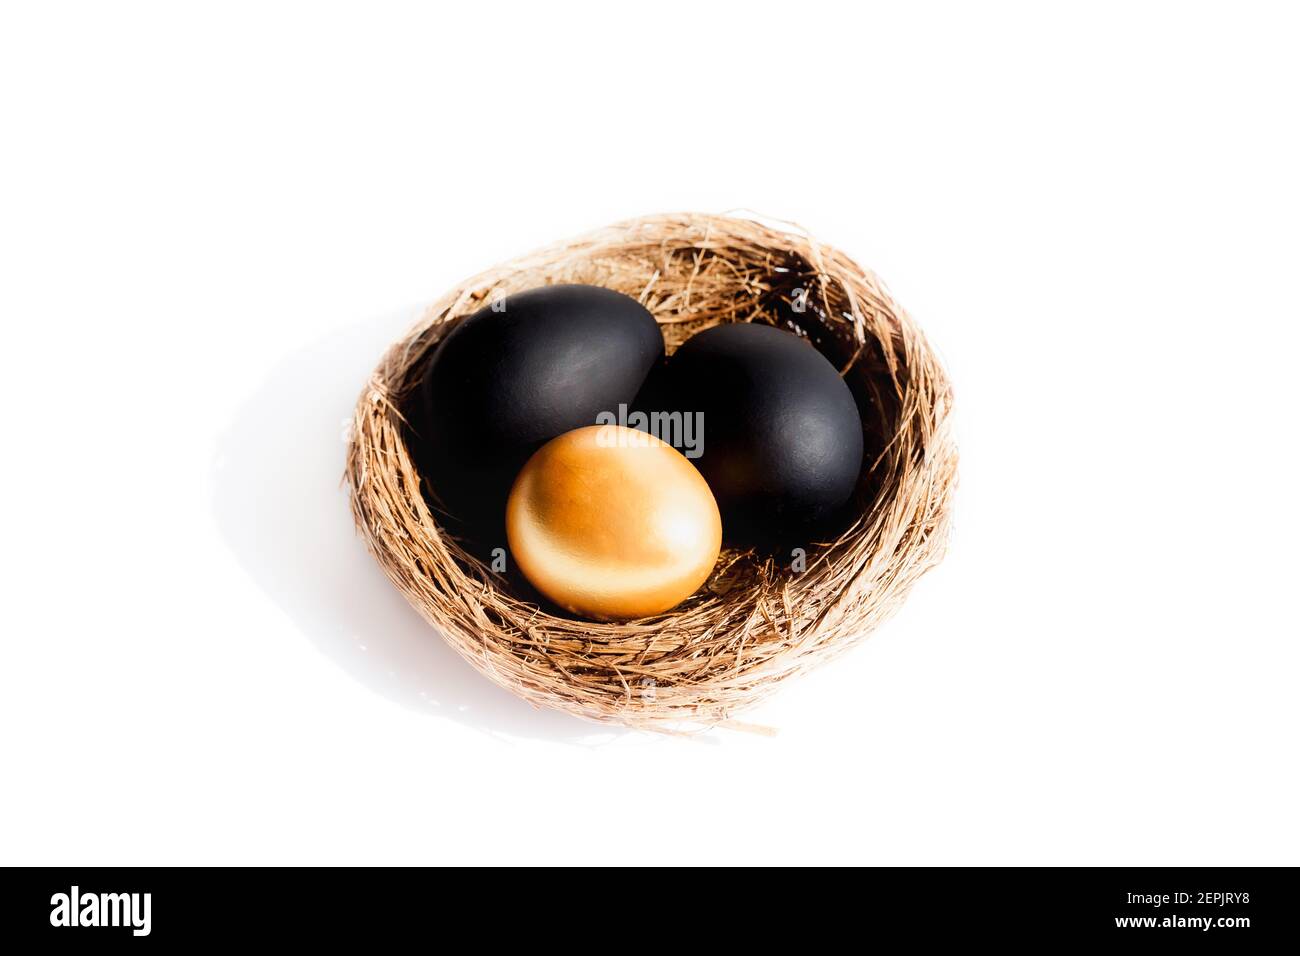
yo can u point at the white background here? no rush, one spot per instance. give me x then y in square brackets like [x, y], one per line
[213, 219]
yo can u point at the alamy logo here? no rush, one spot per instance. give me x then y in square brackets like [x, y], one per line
[684, 431]
[101, 909]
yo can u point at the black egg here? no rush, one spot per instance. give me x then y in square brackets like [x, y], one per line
[516, 374]
[782, 437]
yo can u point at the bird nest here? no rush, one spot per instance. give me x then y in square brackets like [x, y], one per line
[762, 617]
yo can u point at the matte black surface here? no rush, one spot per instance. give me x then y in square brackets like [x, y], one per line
[503, 383]
[782, 434]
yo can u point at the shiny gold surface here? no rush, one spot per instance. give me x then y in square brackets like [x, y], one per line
[612, 523]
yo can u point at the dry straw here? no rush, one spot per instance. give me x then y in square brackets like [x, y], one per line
[756, 622]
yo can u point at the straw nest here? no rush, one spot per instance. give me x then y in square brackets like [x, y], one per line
[757, 622]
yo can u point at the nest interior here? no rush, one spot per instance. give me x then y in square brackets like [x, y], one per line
[758, 620]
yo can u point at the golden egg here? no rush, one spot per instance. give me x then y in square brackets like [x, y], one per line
[612, 523]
